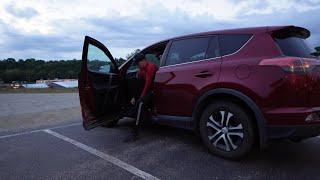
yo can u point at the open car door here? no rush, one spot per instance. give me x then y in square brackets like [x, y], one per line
[98, 85]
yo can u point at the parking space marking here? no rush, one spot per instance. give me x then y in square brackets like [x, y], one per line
[38, 130]
[104, 156]
[19, 134]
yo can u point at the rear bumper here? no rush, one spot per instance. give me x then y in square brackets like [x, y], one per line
[292, 116]
[298, 132]
[293, 123]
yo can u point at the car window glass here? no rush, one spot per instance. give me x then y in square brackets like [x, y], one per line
[187, 50]
[150, 57]
[213, 49]
[153, 59]
[133, 67]
[231, 43]
[98, 61]
[294, 46]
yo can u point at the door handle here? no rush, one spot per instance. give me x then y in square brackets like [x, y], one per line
[203, 74]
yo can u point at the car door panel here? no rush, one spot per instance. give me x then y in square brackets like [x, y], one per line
[99, 84]
[177, 86]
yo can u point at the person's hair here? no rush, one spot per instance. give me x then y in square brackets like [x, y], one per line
[139, 57]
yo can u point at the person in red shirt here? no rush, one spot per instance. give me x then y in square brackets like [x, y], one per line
[147, 72]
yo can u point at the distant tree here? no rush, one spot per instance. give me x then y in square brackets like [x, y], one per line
[12, 60]
[120, 60]
[132, 53]
[31, 69]
[317, 52]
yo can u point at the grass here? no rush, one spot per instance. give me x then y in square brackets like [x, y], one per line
[39, 90]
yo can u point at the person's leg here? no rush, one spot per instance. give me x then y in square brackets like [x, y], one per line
[142, 112]
[134, 135]
[141, 116]
[134, 87]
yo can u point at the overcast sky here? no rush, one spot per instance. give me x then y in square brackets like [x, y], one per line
[55, 29]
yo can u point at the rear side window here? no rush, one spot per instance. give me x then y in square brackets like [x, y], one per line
[232, 43]
[187, 50]
[294, 46]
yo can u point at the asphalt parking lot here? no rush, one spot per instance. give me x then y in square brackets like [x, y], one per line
[64, 150]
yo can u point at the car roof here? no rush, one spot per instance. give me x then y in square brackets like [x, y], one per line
[249, 30]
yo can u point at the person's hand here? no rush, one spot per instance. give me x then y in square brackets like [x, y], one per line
[133, 101]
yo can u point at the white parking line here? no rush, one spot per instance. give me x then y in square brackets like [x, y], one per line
[38, 130]
[104, 156]
[19, 134]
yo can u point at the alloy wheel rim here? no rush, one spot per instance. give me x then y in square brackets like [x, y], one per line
[225, 132]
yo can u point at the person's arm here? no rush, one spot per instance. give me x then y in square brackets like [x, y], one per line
[148, 82]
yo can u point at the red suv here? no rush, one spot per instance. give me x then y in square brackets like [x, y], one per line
[236, 88]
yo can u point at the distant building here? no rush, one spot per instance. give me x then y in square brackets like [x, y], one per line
[52, 83]
[64, 84]
[40, 81]
[36, 85]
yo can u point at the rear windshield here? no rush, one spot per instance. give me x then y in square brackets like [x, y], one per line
[294, 46]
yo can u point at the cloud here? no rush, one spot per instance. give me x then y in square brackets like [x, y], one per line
[28, 45]
[21, 13]
[307, 20]
[54, 29]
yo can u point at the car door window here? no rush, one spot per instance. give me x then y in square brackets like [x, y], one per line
[187, 50]
[150, 57]
[213, 49]
[98, 61]
[153, 58]
[133, 67]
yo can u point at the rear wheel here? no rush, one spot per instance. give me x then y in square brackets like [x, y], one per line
[227, 130]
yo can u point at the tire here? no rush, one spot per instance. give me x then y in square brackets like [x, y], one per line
[226, 130]
[111, 124]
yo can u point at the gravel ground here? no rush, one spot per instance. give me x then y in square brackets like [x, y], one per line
[24, 111]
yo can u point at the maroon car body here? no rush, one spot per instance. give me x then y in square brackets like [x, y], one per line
[278, 88]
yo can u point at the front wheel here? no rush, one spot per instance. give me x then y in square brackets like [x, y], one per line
[226, 129]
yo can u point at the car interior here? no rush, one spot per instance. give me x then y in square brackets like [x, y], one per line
[132, 85]
[113, 89]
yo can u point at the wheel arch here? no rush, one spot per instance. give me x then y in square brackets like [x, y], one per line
[235, 96]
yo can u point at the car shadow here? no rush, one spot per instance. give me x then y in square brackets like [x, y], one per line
[276, 153]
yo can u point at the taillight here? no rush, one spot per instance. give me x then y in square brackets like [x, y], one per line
[291, 64]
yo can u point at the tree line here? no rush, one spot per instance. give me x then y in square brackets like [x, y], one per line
[317, 51]
[31, 69]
